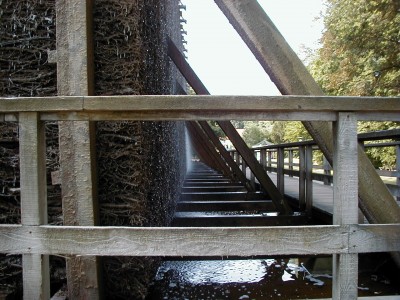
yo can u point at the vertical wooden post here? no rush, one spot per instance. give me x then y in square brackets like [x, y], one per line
[345, 202]
[269, 160]
[35, 268]
[309, 182]
[290, 161]
[75, 77]
[263, 158]
[302, 178]
[280, 165]
[327, 170]
[398, 171]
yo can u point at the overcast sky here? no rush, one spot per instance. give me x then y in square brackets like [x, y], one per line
[222, 60]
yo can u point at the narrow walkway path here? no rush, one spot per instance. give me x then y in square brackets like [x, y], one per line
[210, 199]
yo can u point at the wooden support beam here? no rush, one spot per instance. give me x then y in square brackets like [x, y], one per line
[75, 77]
[205, 153]
[292, 78]
[266, 182]
[218, 158]
[238, 174]
[32, 145]
[345, 202]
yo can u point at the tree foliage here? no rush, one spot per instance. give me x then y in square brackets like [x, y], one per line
[361, 48]
[360, 56]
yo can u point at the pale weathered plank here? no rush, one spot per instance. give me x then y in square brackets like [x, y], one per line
[75, 77]
[220, 103]
[345, 202]
[174, 241]
[382, 238]
[181, 241]
[36, 273]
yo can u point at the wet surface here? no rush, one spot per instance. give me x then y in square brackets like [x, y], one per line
[256, 279]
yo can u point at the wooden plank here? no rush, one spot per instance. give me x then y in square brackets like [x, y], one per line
[302, 178]
[280, 174]
[345, 176]
[218, 103]
[173, 241]
[160, 241]
[260, 205]
[309, 179]
[75, 77]
[224, 196]
[199, 219]
[36, 272]
[345, 202]
[370, 238]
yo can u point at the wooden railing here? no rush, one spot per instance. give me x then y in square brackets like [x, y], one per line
[297, 159]
[345, 239]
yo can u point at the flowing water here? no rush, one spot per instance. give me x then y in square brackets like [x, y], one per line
[257, 279]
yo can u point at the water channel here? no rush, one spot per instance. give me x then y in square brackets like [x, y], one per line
[294, 278]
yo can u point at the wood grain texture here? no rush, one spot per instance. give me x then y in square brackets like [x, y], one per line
[174, 241]
[203, 102]
[345, 274]
[345, 202]
[345, 175]
[75, 77]
[35, 271]
[382, 238]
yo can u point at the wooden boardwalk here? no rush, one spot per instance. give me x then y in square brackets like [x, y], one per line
[322, 194]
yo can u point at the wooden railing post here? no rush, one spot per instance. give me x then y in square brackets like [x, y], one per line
[345, 202]
[302, 178]
[269, 160]
[290, 151]
[398, 171]
[263, 158]
[280, 172]
[309, 181]
[327, 171]
[35, 267]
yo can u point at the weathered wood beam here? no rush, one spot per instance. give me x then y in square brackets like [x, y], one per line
[345, 202]
[222, 241]
[221, 105]
[32, 149]
[238, 174]
[201, 150]
[230, 131]
[75, 77]
[291, 77]
[222, 166]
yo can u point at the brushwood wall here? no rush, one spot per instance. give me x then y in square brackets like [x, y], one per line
[140, 164]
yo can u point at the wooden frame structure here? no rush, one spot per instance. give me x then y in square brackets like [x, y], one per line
[345, 239]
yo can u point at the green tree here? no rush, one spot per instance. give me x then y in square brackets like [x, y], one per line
[360, 56]
[361, 48]
[253, 135]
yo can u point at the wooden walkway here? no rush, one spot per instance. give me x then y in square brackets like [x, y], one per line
[322, 194]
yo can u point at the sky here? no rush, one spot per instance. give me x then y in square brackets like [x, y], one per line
[222, 60]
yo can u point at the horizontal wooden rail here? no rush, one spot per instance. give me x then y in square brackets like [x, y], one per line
[195, 241]
[167, 107]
